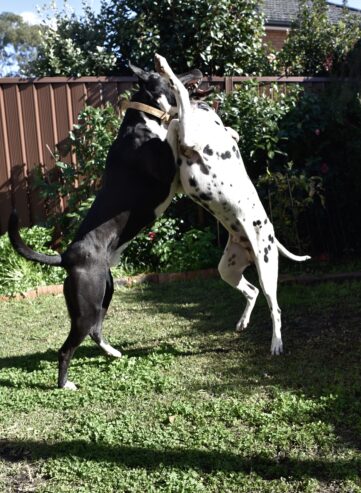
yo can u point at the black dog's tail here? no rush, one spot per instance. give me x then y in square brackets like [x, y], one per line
[24, 250]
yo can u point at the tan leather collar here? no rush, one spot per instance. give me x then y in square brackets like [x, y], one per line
[134, 105]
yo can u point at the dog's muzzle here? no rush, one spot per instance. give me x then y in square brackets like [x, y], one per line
[192, 80]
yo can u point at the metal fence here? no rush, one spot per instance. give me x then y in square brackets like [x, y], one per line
[36, 116]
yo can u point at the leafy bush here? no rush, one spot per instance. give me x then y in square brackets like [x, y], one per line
[322, 136]
[316, 46]
[303, 152]
[256, 117]
[90, 140]
[216, 36]
[142, 253]
[165, 247]
[287, 194]
[301, 149]
[286, 191]
[18, 274]
[73, 46]
[196, 249]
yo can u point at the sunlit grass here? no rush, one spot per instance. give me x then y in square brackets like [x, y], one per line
[191, 407]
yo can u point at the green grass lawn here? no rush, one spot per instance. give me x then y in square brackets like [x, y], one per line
[191, 407]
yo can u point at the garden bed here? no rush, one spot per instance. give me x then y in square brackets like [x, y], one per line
[161, 278]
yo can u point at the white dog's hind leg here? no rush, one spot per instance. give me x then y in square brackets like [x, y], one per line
[234, 261]
[250, 292]
[268, 275]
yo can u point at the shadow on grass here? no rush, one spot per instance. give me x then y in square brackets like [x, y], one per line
[32, 362]
[322, 347]
[203, 460]
[186, 300]
[322, 338]
[210, 304]
[7, 383]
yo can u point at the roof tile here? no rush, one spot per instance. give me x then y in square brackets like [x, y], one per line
[284, 12]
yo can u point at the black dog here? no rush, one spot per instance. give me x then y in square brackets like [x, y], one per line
[139, 182]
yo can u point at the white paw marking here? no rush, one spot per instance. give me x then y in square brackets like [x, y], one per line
[110, 351]
[115, 353]
[70, 386]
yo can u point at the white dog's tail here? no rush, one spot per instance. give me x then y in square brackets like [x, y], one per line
[297, 258]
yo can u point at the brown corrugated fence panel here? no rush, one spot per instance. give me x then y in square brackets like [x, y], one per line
[5, 187]
[94, 96]
[13, 117]
[33, 158]
[78, 98]
[64, 121]
[49, 134]
[110, 93]
[124, 86]
[37, 114]
[47, 131]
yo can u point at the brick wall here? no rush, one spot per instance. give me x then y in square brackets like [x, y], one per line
[275, 39]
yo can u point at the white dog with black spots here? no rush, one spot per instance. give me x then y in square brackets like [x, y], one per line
[212, 173]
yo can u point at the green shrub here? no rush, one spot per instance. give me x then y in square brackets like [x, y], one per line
[90, 140]
[142, 253]
[287, 195]
[195, 249]
[256, 117]
[301, 149]
[166, 247]
[163, 247]
[286, 190]
[322, 137]
[216, 36]
[317, 46]
[18, 274]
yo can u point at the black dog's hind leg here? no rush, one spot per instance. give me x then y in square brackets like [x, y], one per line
[96, 332]
[85, 292]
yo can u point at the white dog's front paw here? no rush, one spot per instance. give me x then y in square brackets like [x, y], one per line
[276, 346]
[161, 65]
[70, 386]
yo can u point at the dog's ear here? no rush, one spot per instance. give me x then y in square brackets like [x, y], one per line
[140, 73]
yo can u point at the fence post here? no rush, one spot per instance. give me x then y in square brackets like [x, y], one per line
[228, 84]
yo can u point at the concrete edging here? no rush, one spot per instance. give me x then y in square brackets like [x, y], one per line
[161, 278]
